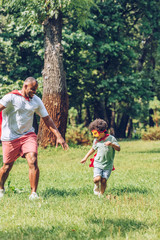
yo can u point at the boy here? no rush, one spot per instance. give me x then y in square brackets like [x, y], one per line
[105, 145]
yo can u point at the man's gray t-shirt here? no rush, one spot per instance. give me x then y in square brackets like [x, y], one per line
[105, 154]
[17, 117]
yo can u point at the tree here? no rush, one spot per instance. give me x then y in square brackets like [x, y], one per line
[110, 80]
[50, 14]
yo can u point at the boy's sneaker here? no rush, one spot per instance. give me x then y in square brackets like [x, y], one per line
[2, 191]
[100, 195]
[96, 189]
[33, 196]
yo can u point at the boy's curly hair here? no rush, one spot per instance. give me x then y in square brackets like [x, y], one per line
[98, 124]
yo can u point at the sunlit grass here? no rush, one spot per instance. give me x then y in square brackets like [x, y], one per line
[67, 208]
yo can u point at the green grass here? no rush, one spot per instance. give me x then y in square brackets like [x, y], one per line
[67, 208]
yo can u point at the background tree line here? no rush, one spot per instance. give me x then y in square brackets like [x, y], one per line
[111, 59]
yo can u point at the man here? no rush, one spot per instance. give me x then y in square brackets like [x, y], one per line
[18, 137]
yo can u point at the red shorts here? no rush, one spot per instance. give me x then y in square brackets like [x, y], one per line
[18, 147]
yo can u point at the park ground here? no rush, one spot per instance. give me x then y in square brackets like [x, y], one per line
[67, 208]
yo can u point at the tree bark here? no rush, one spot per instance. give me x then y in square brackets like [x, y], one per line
[130, 128]
[113, 126]
[151, 122]
[55, 96]
[88, 116]
[121, 129]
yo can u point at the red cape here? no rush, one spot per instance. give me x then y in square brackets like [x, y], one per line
[92, 162]
[0, 123]
[18, 93]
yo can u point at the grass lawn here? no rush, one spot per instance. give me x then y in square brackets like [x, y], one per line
[67, 208]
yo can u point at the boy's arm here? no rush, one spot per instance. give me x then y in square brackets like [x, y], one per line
[91, 151]
[116, 147]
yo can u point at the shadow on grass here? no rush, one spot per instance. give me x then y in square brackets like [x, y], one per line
[107, 228]
[157, 150]
[56, 192]
[129, 189]
[117, 226]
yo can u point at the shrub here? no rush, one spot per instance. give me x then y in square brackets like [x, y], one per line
[78, 135]
[152, 133]
[137, 133]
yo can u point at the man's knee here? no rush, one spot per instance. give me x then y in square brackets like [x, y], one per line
[32, 160]
[6, 167]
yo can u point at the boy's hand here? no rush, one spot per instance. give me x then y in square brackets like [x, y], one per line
[83, 160]
[108, 143]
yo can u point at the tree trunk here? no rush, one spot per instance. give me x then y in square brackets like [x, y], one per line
[88, 116]
[55, 96]
[112, 127]
[121, 129]
[98, 109]
[130, 128]
[151, 122]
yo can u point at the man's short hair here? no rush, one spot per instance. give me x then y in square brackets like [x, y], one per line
[99, 125]
[30, 80]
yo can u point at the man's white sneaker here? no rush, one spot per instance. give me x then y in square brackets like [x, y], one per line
[96, 190]
[2, 191]
[33, 196]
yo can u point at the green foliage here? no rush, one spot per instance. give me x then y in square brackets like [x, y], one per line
[21, 50]
[72, 115]
[37, 11]
[4, 89]
[78, 135]
[155, 106]
[107, 51]
[137, 134]
[152, 133]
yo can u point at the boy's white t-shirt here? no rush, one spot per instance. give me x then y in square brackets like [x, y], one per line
[17, 117]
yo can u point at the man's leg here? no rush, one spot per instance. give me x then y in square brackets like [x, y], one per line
[4, 172]
[33, 170]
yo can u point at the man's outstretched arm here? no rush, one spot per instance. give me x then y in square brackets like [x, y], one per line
[50, 124]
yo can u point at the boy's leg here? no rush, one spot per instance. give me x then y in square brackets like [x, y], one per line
[103, 185]
[105, 175]
[97, 181]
